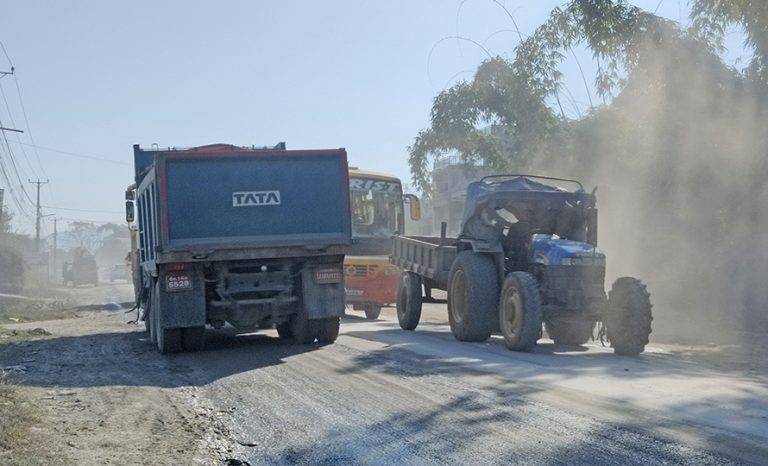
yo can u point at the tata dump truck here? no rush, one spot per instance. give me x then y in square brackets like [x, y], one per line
[244, 236]
[527, 255]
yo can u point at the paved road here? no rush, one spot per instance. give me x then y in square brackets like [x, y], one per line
[381, 395]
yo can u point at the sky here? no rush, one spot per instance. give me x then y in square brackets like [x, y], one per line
[92, 78]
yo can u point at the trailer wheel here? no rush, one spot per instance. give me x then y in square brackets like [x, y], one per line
[473, 293]
[409, 301]
[520, 311]
[570, 333]
[193, 338]
[302, 328]
[328, 329]
[284, 330]
[372, 311]
[168, 339]
[628, 320]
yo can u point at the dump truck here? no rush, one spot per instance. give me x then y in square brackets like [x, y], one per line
[526, 255]
[241, 236]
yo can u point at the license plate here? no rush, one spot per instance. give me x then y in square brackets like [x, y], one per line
[178, 282]
[352, 292]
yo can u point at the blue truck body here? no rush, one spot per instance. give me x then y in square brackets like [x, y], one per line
[244, 236]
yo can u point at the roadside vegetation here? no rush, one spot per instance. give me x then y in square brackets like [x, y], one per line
[673, 136]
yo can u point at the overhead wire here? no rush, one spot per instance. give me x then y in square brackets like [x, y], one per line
[13, 123]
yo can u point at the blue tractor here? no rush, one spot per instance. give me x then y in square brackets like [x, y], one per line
[527, 254]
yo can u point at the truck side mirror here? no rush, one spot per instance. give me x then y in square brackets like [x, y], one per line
[129, 216]
[415, 206]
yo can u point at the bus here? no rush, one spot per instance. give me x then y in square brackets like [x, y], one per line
[377, 208]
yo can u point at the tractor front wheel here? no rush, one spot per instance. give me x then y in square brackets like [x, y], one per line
[628, 321]
[520, 311]
[569, 333]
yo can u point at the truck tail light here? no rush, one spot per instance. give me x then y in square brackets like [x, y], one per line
[328, 275]
[178, 267]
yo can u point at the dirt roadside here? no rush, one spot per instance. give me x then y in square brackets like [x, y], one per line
[89, 389]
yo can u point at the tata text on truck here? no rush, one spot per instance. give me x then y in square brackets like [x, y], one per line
[376, 202]
[250, 237]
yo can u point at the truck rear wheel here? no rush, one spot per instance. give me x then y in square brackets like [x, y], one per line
[193, 338]
[520, 311]
[372, 311]
[302, 328]
[409, 301]
[473, 293]
[628, 321]
[569, 333]
[168, 340]
[327, 329]
[284, 330]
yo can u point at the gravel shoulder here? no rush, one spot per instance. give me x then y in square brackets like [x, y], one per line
[89, 389]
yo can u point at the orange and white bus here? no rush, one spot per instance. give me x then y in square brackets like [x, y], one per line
[376, 203]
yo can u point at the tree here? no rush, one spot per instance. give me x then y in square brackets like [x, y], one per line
[711, 19]
[85, 233]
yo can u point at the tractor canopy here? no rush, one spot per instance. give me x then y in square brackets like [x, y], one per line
[522, 205]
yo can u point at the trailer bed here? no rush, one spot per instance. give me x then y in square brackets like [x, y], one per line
[427, 256]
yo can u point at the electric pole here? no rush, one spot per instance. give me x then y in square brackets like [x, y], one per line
[39, 214]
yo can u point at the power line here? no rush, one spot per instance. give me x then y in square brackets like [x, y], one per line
[84, 210]
[74, 154]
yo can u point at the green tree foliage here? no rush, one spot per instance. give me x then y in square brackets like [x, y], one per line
[498, 95]
[711, 19]
[513, 95]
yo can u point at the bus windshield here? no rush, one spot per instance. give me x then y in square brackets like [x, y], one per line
[376, 205]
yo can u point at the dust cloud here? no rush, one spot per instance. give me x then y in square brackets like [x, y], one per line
[680, 159]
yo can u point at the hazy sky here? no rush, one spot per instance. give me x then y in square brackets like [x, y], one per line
[97, 77]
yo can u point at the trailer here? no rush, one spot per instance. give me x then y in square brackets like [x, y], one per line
[240, 236]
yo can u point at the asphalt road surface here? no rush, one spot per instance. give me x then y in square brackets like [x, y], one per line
[381, 395]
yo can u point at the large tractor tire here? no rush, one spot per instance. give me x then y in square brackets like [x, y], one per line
[168, 340]
[327, 330]
[570, 332]
[628, 321]
[473, 296]
[302, 328]
[409, 301]
[372, 311]
[520, 311]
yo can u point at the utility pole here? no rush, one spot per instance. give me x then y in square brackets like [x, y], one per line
[39, 214]
[55, 233]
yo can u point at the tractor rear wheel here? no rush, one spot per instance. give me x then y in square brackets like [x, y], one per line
[569, 332]
[409, 301]
[628, 320]
[473, 294]
[520, 311]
